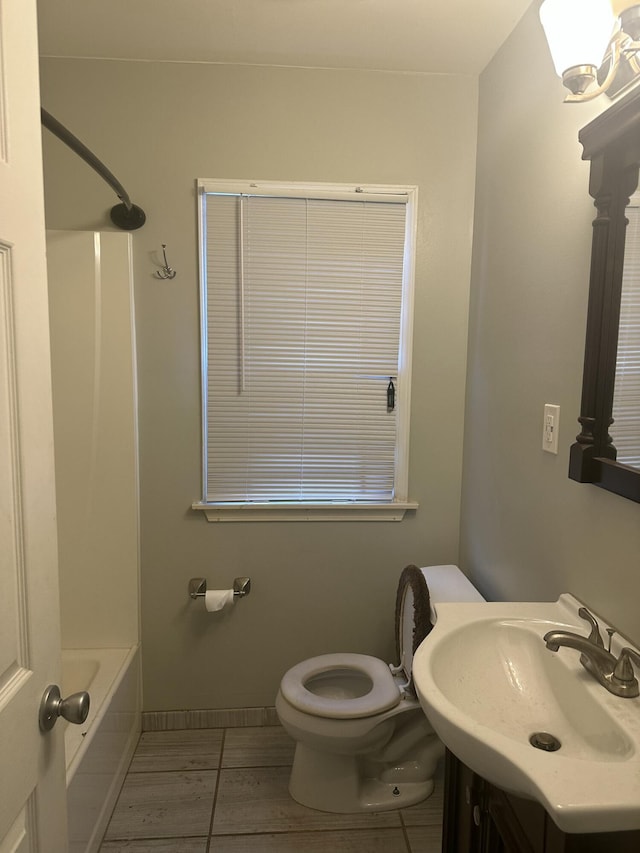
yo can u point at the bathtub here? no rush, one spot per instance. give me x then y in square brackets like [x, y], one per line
[99, 751]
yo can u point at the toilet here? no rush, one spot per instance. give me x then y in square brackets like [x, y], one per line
[363, 742]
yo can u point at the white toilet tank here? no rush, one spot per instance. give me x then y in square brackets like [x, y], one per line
[447, 583]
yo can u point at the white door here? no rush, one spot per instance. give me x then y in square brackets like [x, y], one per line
[32, 778]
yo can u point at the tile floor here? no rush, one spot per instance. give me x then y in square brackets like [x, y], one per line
[225, 791]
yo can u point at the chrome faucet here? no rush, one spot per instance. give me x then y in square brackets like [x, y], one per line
[616, 674]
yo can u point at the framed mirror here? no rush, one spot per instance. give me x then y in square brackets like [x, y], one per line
[607, 453]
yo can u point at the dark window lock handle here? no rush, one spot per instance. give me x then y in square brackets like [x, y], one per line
[391, 395]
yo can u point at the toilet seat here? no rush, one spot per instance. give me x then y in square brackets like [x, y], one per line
[382, 694]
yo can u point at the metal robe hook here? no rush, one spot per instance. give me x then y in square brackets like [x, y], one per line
[166, 271]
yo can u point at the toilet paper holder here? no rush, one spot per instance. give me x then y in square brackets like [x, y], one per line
[198, 587]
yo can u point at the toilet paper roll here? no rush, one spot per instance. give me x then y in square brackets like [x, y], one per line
[216, 599]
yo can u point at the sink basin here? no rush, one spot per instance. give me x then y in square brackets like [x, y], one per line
[529, 690]
[487, 683]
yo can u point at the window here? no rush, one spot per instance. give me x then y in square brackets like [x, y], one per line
[306, 326]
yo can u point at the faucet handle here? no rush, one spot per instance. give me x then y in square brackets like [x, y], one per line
[624, 670]
[595, 636]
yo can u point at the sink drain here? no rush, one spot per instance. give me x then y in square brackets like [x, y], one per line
[545, 741]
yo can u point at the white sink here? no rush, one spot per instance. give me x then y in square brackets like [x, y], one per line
[487, 683]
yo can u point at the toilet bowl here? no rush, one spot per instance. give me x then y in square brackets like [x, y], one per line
[363, 742]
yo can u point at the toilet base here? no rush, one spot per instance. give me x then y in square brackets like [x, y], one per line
[336, 783]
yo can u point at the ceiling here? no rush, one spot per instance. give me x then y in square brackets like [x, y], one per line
[446, 36]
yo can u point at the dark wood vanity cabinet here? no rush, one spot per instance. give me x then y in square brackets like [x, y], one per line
[480, 818]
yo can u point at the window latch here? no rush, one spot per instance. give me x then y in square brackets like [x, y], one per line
[391, 395]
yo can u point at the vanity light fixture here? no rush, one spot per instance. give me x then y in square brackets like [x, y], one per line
[594, 44]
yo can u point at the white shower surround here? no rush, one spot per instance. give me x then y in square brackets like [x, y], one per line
[98, 752]
[95, 431]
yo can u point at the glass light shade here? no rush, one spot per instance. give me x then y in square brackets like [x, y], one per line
[578, 31]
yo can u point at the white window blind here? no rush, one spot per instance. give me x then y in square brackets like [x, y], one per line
[625, 430]
[303, 300]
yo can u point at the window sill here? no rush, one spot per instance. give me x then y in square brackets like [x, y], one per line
[305, 512]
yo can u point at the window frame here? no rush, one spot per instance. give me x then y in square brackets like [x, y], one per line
[337, 510]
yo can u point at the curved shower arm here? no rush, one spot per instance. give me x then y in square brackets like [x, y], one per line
[127, 215]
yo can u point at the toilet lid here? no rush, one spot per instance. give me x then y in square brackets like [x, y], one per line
[419, 592]
[413, 618]
[366, 676]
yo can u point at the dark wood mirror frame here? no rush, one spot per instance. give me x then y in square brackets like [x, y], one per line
[612, 143]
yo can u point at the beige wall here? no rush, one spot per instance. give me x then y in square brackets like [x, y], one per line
[528, 532]
[317, 587]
